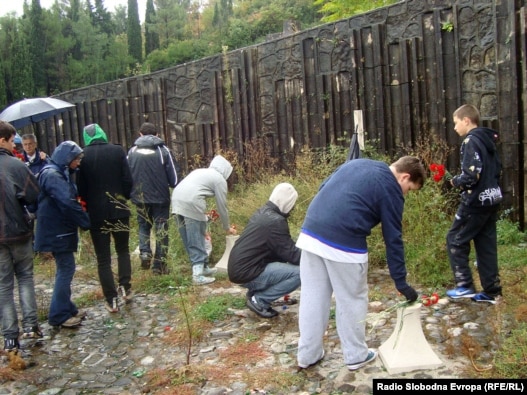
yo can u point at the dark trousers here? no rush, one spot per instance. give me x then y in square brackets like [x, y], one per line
[479, 227]
[101, 236]
[62, 307]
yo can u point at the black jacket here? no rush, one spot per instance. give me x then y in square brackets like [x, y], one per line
[480, 170]
[154, 171]
[104, 182]
[19, 188]
[266, 239]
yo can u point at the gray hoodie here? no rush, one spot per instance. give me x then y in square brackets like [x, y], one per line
[189, 196]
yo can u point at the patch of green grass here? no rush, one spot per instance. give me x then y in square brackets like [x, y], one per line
[510, 360]
[216, 307]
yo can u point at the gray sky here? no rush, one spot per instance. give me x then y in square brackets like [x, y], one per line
[16, 6]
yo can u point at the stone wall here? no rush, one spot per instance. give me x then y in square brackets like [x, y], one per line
[407, 67]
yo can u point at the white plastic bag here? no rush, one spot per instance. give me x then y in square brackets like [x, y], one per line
[208, 243]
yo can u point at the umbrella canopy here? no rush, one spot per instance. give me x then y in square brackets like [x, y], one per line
[354, 147]
[27, 111]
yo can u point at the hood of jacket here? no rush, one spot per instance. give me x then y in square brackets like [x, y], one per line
[486, 136]
[65, 153]
[284, 195]
[149, 141]
[92, 133]
[222, 166]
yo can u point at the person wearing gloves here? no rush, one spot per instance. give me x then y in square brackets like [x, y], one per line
[60, 214]
[189, 205]
[105, 184]
[154, 172]
[265, 259]
[358, 195]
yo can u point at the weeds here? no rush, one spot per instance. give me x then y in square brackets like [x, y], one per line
[427, 218]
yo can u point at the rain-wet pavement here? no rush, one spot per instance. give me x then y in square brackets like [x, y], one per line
[113, 353]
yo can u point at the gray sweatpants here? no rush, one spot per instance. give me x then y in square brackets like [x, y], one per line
[320, 278]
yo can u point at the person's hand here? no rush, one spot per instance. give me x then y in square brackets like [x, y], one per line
[232, 230]
[42, 155]
[408, 292]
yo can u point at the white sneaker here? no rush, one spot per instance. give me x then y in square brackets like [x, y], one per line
[202, 280]
[207, 271]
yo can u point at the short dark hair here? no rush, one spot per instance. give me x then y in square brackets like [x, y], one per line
[6, 130]
[148, 128]
[468, 111]
[413, 166]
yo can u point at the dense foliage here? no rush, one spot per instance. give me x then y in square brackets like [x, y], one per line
[78, 43]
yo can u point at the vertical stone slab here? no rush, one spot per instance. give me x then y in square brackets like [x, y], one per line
[407, 348]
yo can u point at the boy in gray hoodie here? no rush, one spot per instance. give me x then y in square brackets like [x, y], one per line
[190, 206]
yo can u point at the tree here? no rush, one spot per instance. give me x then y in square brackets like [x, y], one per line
[151, 36]
[102, 18]
[37, 49]
[16, 80]
[133, 30]
[170, 21]
[334, 10]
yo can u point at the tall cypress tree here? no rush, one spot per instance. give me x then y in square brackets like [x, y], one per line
[151, 36]
[37, 48]
[133, 30]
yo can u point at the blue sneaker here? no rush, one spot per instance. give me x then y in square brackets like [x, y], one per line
[460, 292]
[483, 297]
[370, 357]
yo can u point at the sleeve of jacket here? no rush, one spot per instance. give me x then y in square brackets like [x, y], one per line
[391, 222]
[281, 243]
[470, 167]
[170, 167]
[61, 192]
[27, 194]
[220, 193]
[127, 180]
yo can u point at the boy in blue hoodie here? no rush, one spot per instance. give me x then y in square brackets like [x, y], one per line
[477, 214]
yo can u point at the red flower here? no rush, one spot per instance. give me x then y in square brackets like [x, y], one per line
[430, 300]
[18, 155]
[213, 215]
[438, 172]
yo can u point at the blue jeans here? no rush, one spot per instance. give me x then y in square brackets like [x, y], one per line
[102, 238]
[16, 260]
[192, 234]
[61, 307]
[277, 280]
[155, 215]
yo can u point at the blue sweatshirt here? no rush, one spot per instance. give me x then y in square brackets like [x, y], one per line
[359, 195]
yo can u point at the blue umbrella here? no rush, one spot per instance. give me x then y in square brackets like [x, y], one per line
[27, 111]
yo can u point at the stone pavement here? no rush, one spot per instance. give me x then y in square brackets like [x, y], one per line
[113, 353]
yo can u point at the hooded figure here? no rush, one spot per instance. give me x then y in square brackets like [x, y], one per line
[154, 172]
[60, 214]
[189, 204]
[59, 211]
[105, 184]
[265, 259]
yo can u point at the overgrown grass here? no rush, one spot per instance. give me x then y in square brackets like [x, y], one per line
[427, 218]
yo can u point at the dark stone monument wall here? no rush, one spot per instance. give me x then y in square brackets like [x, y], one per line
[407, 67]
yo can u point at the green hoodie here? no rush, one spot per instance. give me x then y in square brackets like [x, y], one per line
[93, 133]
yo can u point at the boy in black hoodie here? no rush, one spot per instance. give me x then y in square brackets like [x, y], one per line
[477, 213]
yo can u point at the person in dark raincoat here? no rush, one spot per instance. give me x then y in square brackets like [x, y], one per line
[60, 214]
